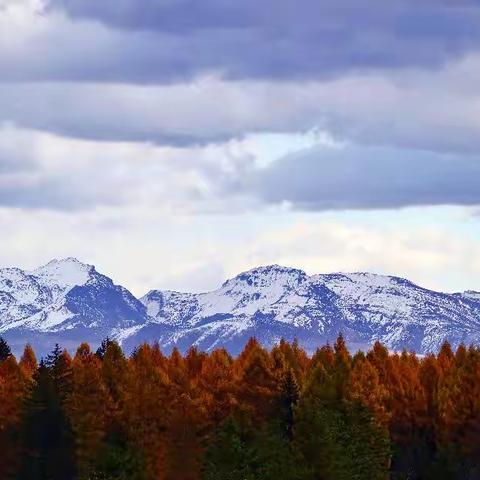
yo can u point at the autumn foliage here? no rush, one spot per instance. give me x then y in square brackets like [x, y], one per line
[278, 414]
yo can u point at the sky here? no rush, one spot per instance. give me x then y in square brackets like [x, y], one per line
[176, 143]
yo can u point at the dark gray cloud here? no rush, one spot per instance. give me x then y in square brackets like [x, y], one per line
[101, 49]
[153, 41]
[369, 178]
[418, 110]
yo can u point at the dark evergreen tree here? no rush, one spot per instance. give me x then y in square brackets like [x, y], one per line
[58, 363]
[242, 451]
[102, 349]
[118, 461]
[5, 351]
[342, 442]
[53, 356]
[47, 440]
[289, 395]
[278, 457]
[230, 456]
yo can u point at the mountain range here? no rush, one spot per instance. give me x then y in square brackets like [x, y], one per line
[68, 302]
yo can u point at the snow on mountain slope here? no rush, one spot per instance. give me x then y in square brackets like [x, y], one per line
[65, 300]
[261, 289]
[274, 301]
[69, 302]
[63, 274]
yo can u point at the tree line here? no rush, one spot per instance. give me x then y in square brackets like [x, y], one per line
[263, 415]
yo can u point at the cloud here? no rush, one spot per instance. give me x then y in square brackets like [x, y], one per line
[368, 109]
[143, 249]
[123, 123]
[16, 152]
[432, 255]
[302, 172]
[369, 178]
[62, 173]
[299, 39]
[159, 42]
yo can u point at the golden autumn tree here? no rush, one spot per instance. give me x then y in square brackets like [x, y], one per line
[445, 358]
[258, 387]
[12, 391]
[324, 357]
[88, 406]
[187, 415]
[366, 388]
[28, 362]
[217, 386]
[459, 405]
[287, 356]
[145, 409]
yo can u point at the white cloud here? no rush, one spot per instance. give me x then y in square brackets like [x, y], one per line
[144, 249]
[48, 171]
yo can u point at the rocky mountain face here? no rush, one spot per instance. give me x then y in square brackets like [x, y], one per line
[68, 302]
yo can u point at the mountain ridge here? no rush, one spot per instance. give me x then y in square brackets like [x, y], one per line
[67, 301]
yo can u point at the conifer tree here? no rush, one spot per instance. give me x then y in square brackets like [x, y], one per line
[231, 456]
[5, 351]
[459, 411]
[445, 357]
[28, 362]
[342, 441]
[342, 367]
[217, 386]
[47, 439]
[88, 405]
[188, 416]
[257, 386]
[263, 415]
[12, 388]
[101, 350]
[289, 396]
[366, 388]
[242, 451]
[144, 409]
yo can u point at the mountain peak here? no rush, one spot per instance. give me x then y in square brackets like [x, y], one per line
[71, 301]
[65, 272]
[275, 268]
[66, 261]
[267, 274]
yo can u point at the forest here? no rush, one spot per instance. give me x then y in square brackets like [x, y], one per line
[263, 415]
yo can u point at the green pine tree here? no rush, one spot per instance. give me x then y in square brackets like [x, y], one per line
[102, 349]
[47, 441]
[289, 395]
[5, 351]
[341, 441]
[241, 451]
[230, 456]
[118, 461]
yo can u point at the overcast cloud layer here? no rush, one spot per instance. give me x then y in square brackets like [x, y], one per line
[366, 178]
[295, 40]
[213, 111]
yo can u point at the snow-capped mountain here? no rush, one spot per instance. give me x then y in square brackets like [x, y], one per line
[274, 301]
[67, 302]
